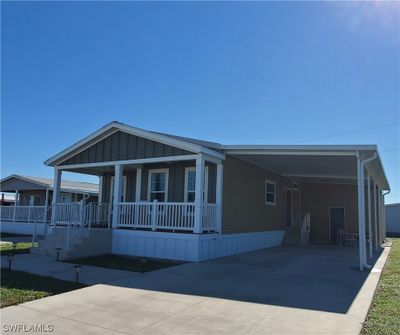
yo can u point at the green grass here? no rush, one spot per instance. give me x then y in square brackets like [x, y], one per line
[124, 263]
[21, 248]
[18, 287]
[384, 315]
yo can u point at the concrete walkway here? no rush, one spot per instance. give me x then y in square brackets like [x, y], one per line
[47, 266]
[314, 290]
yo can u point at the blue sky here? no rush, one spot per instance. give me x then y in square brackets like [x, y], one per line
[248, 73]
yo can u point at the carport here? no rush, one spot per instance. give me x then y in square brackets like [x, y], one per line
[358, 165]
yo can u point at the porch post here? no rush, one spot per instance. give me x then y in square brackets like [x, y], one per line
[218, 196]
[15, 205]
[361, 212]
[100, 196]
[56, 193]
[46, 205]
[199, 190]
[138, 184]
[375, 218]
[369, 215]
[117, 194]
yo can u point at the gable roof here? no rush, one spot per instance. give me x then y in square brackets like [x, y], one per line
[179, 142]
[218, 150]
[66, 185]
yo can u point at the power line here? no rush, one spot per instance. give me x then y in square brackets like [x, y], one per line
[352, 132]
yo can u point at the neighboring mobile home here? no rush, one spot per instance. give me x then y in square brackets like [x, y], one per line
[33, 197]
[173, 197]
[38, 191]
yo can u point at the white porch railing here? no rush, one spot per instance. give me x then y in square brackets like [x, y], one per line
[175, 216]
[23, 213]
[209, 221]
[67, 213]
[96, 214]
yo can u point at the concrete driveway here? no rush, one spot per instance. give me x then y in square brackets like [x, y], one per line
[285, 290]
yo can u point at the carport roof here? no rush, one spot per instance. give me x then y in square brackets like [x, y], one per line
[313, 163]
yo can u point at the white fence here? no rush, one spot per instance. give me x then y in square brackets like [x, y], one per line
[23, 213]
[175, 216]
[170, 216]
[96, 214]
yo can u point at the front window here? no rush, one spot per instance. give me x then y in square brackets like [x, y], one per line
[158, 185]
[270, 193]
[190, 184]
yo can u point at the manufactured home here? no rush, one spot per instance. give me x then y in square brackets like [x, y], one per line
[180, 198]
[32, 198]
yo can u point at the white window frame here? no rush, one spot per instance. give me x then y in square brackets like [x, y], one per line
[151, 171]
[193, 168]
[123, 189]
[271, 203]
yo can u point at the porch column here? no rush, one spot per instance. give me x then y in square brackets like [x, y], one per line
[375, 218]
[56, 193]
[117, 194]
[15, 205]
[100, 196]
[218, 196]
[46, 205]
[199, 190]
[138, 184]
[361, 212]
[369, 215]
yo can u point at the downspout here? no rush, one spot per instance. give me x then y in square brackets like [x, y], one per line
[364, 246]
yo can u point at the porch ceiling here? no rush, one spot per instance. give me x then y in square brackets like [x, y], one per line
[314, 166]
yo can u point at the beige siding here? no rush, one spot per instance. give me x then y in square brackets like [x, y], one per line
[244, 208]
[123, 146]
[317, 198]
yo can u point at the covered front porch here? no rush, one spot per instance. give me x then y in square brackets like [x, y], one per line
[166, 194]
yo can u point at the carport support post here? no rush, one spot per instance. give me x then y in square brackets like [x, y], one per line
[381, 238]
[117, 194]
[361, 212]
[199, 191]
[56, 193]
[369, 216]
[376, 217]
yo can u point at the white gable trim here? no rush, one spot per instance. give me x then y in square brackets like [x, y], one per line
[104, 132]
